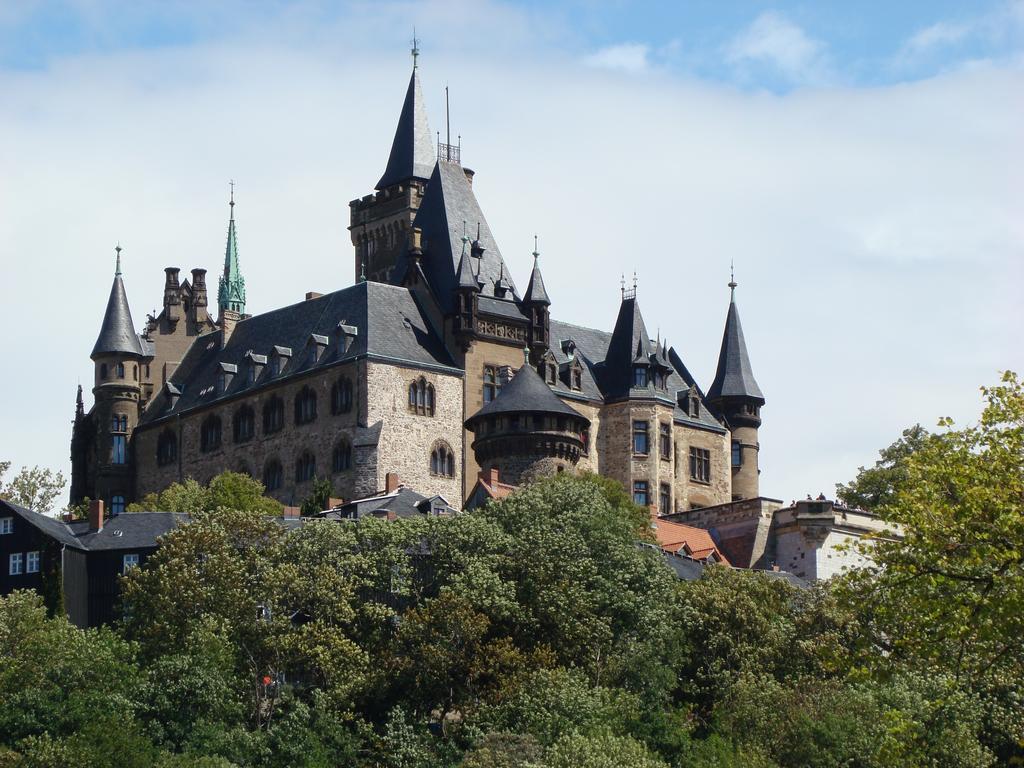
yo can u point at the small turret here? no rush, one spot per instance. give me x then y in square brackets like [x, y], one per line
[735, 395]
[536, 303]
[467, 291]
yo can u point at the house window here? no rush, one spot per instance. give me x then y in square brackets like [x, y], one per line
[694, 406]
[305, 406]
[341, 396]
[129, 561]
[551, 373]
[700, 465]
[640, 438]
[737, 453]
[273, 415]
[15, 564]
[305, 467]
[6, 525]
[665, 440]
[577, 379]
[32, 562]
[641, 494]
[116, 505]
[119, 449]
[273, 475]
[244, 424]
[491, 385]
[665, 498]
[166, 448]
[442, 461]
[639, 376]
[421, 397]
[209, 434]
[341, 458]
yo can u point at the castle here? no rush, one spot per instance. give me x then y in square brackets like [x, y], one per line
[432, 365]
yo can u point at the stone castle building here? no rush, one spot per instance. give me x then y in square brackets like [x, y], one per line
[433, 365]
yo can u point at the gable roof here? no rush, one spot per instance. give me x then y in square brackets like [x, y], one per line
[734, 376]
[403, 502]
[117, 333]
[388, 322]
[412, 150]
[686, 540]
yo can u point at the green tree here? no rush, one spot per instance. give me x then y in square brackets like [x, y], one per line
[35, 488]
[231, 490]
[318, 498]
[877, 486]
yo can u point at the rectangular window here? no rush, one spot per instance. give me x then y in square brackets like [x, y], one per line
[737, 453]
[6, 525]
[665, 440]
[700, 465]
[117, 505]
[129, 561]
[639, 376]
[119, 450]
[491, 385]
[641, 494]
[32, 562]
[640, 438]
[665, 499]
[15, 564]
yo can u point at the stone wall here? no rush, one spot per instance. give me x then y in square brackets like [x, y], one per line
[742, 529]
[691, 493]
[816, 540]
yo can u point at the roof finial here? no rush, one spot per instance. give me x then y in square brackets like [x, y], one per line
[732, 281]
[526, 355]
[536, 252]
[465, 237]
[117, 268]
[415, 49]
[232, 201]
[622, 284]
[634, 282]
[478, 231]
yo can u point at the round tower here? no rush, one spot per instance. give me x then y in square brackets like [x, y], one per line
[734, 394]
[526, 432]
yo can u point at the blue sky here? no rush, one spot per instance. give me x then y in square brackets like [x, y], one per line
[858, 162]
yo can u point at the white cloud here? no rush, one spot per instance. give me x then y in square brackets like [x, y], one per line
[875, 231]
[774, 40]
[624, 57]
[936, 36]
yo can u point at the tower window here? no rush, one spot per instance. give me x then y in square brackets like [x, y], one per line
[209, 434]
[665, 440]
[103, 370]
[641, 442]
[119, 449]
[273, 415]
[305, 406]
[421, 397]
[585, 437]
[737, 453]
[305, 467]
[120, 370]
[491, 385]
[442, 460]
[244, 424]
[273, 475]
[700, 465]
[341, 396]
[117, 505]
[665, 498]
[639, 376]
[341, 458]
[641, 493]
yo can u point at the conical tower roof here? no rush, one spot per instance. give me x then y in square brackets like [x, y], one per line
[535, 291]
[734, 377]
[231, 293]
[117, 334]
[412, 151]
[526, 393]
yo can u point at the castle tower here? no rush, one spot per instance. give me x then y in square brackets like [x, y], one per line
[379, 223]
[526, 432]
[536, 303]
[231, 291]
[736, 396]
[467, 291]
[117, 356]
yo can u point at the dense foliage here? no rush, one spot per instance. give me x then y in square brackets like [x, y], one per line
[35, 488]
[540, 632]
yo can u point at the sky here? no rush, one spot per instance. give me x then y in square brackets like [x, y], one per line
[859, 163]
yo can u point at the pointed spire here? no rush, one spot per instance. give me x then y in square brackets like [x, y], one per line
[117, 333]
[466, 277]
[231, 292]
[412, 151]
[79, 405]
[535, 291]
[734, 377]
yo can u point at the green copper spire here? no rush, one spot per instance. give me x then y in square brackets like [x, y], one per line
[231, 295]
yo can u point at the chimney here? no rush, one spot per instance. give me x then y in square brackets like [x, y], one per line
[492, 476]
[310, 295]
[199, 301]
[391, 482]
[228, 319]
[291, 512]
[96, 515]
[172, 294]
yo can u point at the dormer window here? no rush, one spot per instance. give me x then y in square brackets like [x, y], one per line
[694, 406]
[576, 379]
[279, 360]
[639, 376]
[254, 367]
[226, 376]
[316, 346]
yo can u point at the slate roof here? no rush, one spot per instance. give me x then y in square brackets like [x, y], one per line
[535, 291]
[412, 151]
[734, 377]
[117, 334]
[389, 327]
[403, 503]
[449, 204]
[526, 393]
[630, 343]
[132, 530]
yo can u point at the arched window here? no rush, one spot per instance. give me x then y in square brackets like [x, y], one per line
[305, 467]
[166, 448]
[120, 370]
[273, 415]
[273, 475]
[244, 423]
[442, 460]
[341, 396]
[103, 370]
[341, 458]
[421, 397]
[209, 434]
[118, 423]
[135, 372]
[305, 406]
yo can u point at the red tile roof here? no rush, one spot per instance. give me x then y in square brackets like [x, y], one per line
[686, 540]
